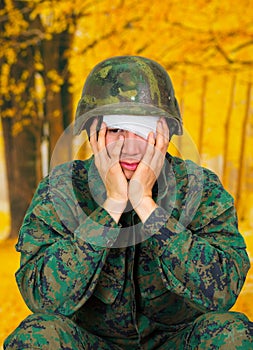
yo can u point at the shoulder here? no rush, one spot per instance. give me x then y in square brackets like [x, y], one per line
[61, 178]
[75, 168]
[201, 193]
[189, 169]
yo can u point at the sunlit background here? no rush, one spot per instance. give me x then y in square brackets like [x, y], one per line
[49, 47]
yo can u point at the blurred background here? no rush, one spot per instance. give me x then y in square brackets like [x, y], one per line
[47, 49]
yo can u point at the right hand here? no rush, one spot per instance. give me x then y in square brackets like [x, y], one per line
[107, 163]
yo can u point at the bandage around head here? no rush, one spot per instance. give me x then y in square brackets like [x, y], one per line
[139, 125]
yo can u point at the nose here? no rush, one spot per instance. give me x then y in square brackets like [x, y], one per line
[132, 144]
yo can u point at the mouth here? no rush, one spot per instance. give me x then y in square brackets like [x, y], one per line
[129, 166]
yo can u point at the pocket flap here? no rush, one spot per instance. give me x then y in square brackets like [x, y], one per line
[107, 288]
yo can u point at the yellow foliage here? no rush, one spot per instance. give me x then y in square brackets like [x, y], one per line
[199, 42]
[13, 309]
[54, 15]
[5, 224]
[55, 78]
[56, 113]
[4, 77]
[19, 126]
[16, 23]
[20, 87]
[25, 75]
[54, 88]
[8, 113]
[39, 66]
[56, 81]
[39, 90]
[28, 110]
[10, 55]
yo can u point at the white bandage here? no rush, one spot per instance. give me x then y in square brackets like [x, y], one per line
[138, 124]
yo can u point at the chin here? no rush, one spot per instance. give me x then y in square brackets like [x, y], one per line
[128, 174]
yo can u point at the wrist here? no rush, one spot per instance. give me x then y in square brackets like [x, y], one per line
[114, 207]
[145, 208]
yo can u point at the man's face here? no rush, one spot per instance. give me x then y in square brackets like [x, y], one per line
[132, 151]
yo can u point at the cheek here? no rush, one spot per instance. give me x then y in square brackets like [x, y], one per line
[110, 139]
[144, 146]
[110, 142]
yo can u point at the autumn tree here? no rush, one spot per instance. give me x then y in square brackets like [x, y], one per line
[36, 101]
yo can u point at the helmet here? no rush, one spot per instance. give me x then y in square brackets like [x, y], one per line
[128, 85]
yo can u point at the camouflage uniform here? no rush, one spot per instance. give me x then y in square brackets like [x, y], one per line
[165, 284]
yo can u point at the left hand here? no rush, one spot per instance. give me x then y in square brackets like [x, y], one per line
[148, 170]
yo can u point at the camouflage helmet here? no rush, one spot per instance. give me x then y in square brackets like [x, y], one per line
[128, 85]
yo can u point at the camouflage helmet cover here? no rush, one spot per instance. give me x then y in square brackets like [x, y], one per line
[131, 85]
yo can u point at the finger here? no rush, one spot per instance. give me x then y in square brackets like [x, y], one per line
[166, 130]
[157, 161]
[101, 137]
[151, 138]
[115, 150]
[93, 136]
[150, 149]
[162, 135]
[158, 155]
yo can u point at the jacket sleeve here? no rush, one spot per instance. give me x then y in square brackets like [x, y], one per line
[62, 251]
[206, 261]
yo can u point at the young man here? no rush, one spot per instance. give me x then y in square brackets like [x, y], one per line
[133, 248]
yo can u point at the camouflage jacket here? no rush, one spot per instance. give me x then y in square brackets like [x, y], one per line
[130, 280]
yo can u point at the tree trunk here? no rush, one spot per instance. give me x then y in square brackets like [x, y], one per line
[23, 131]
[22, 155]
[21, 128]
[58, 105]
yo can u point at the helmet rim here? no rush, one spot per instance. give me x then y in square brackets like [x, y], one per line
[125, 108]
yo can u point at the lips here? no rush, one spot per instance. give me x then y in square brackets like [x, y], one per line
[129, 166]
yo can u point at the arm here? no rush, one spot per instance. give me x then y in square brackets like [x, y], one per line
[62, 248]
[204, 262]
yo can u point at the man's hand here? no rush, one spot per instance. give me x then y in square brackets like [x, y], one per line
[147, 172]
[110, 170]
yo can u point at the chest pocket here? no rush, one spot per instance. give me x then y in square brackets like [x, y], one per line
[151, 286]
[107, 288]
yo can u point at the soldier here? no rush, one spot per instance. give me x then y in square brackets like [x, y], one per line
[132, 248]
